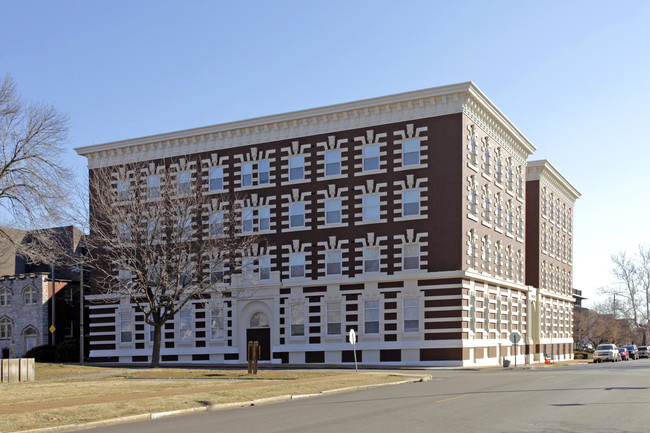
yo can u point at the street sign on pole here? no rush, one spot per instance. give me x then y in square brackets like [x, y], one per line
[515, 337]
[353, 342]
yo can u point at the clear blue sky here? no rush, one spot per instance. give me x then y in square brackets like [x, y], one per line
[573, 76]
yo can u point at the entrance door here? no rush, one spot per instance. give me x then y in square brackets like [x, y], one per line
[263, 335]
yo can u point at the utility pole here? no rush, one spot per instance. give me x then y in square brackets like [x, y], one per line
[53, 327]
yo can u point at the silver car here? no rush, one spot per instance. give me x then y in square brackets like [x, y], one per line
[607, 352]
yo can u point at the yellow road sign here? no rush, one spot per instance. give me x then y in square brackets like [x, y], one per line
[52, 329]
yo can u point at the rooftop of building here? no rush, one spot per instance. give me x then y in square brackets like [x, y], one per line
[436, 101]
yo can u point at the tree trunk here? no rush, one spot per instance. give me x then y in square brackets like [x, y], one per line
[155, 353]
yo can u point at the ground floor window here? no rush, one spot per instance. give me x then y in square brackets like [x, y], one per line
[298, 319]
[412, 315]
[371, 317]
[126, 326]
[333, 318]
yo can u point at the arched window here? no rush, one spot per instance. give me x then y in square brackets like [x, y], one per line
[5, 328]
[30, 296]
[259, 320]
[5, 297]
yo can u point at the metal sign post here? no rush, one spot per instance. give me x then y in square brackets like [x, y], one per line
[515, 337]
[353, 342]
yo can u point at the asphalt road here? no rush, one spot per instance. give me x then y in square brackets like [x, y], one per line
[612, 397]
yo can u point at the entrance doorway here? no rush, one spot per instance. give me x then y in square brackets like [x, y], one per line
[263, 335]
[259, 330]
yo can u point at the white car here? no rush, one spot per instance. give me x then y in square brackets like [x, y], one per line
[607, 352]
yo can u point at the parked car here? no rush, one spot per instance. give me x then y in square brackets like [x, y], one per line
[634, 351]
[607, 352]
[625, 355]
[644, 352]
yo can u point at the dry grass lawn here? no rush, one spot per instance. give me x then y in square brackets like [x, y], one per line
[70, 394]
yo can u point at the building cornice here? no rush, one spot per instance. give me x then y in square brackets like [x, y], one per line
[545, 172]
[438, 101]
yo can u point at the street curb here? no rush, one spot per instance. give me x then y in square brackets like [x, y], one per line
[223, 406]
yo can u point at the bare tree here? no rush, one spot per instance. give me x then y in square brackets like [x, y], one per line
[156, 237]
[631, 289]
[33, 179]
[644, 281]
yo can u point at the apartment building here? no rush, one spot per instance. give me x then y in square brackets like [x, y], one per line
[404, 217]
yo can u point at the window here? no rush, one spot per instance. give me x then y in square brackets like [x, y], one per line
[183, 181]
[411, 315]
[498, 168]
[509, 217]
[123, 232]
[154, 232]
[471, 197]
[186, 228]
[298, 319]
[371, 317]
[124, 275]
[263, 172]
[497, 257]
[333, 318]
[126, 328]
[247, 220]
[333, 259]
[264, 215]
[410, 202]
[551, 209]
[371, 207]
[509, 175]
[216, 223]
[297, 167]
[217, 330]
[296, 214]
[410, 152]
[5, 297]
[471, 248]
[509, 263]
[486, 204]
[520, 184]
[371, 259]
[371, 157]
[185, 326]
[216, 178]
[486, 251]
[248, 267]
[259, 320]
[247, 174]
[30, 296]
[297, 265]
[486, 159]
[332, 163]
[123, 187]
[265, 267]
[5, 329]
[471, 147]
[333, 211]
[498, 211]
[411, 258]
[217, 273]
[153, 186]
